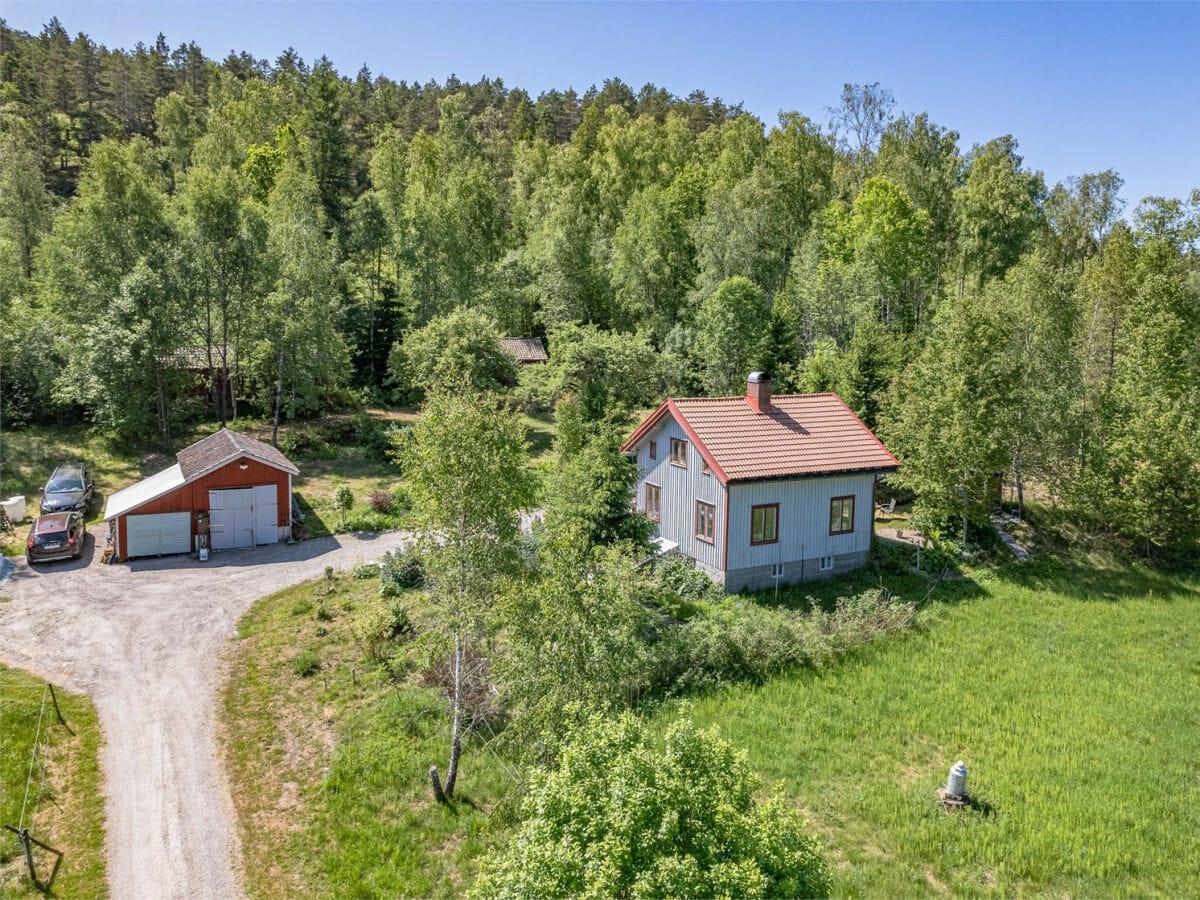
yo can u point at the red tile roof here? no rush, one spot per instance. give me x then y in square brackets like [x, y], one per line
[224, 446]
[801, 434]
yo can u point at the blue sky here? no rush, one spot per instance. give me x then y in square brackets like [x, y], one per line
[1083, 87]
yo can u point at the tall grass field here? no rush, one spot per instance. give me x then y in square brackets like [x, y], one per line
[1073, 696]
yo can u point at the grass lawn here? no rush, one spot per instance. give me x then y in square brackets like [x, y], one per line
[1071, 693]
[66, 809]
[328, 770]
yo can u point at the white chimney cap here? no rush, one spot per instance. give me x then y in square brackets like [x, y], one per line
[758, 377]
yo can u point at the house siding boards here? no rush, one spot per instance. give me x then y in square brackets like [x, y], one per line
[192, 497]
[803, 519]
[804, 537]
[681, 487]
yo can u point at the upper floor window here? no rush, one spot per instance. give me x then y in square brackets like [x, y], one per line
[678, 452]
[653, 501]
[654, 449]
[841, 515]
[764, 524]
[706, 521]
[704, 466]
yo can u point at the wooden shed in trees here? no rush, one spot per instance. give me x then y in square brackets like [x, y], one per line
[525, 350]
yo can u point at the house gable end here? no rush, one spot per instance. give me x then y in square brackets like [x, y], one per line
[669, 408]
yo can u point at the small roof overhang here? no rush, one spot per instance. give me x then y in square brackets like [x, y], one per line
[144, 491]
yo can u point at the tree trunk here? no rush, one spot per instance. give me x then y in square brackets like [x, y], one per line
[224, 362]
[164, 427]
[456, 718]
[278, 396]
[208, 354]
[1020, 479]
[434, 779]
[371, 320]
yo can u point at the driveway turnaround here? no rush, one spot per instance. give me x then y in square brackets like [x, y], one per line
[144, 639]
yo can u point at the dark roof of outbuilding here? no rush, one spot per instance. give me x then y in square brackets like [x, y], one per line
[217, 449]
[799, 435]
[525, 350]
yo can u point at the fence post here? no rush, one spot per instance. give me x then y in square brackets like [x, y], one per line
[57, 711]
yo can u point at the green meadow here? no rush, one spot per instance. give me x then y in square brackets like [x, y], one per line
[1073, 696]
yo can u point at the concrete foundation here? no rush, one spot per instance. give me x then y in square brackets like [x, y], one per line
[762, 578]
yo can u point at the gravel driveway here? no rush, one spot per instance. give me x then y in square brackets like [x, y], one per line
[144, 639]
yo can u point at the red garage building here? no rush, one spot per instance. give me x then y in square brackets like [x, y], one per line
[225, 492]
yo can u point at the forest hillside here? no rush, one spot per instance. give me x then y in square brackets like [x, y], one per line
[317, 236]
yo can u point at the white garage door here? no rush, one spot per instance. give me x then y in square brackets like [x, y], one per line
[158, 534]
[243, 517]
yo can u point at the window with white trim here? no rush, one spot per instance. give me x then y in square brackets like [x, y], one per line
[826, 563]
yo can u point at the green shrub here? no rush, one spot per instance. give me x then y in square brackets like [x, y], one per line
[324, 613]
[737, 640]
[381, 626]
[399, 571]
[306, 663]
[620, 817]
[304, 441]
[302, 607]
[364, 571]
[677, 573]
[369, 521]
[374, 437]
[401, 500]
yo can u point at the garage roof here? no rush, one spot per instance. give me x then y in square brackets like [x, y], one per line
[199, 459]
[144, 491]
[225, 446]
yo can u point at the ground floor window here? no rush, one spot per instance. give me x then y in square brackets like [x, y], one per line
[653, 501]
[764, 524]
[841, 515]
[826, 563]
[706, 521]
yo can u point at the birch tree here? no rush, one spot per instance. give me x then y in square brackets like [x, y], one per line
[467, 475]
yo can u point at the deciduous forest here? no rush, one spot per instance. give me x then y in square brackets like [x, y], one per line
[321, 240]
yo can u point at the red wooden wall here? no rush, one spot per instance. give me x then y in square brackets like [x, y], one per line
[193, 497]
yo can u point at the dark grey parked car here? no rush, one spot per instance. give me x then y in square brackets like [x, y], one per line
[69, 489]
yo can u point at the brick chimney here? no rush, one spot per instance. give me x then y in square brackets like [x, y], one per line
[758, 392]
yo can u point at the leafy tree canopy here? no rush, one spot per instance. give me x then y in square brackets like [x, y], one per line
[621, 816]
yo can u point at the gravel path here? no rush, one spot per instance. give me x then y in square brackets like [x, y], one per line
[144, 639]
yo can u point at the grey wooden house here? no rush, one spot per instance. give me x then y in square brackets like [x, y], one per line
[761, 490]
